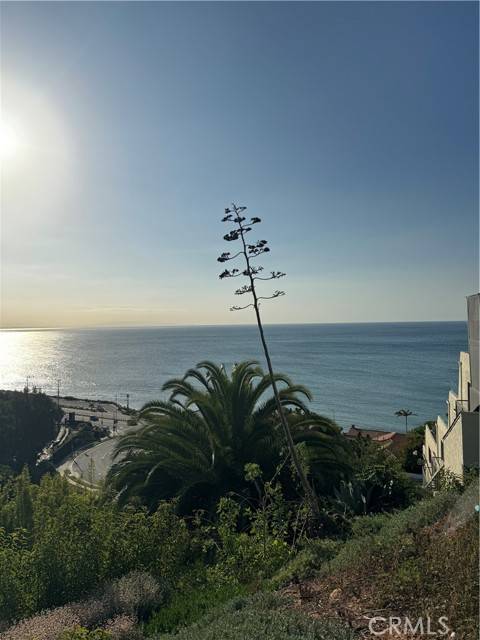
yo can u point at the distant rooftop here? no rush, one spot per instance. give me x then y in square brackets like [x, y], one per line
[391, 439]
[374, 434]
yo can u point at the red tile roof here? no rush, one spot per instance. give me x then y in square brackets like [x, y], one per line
[385, 438]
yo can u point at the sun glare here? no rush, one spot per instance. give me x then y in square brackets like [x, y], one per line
[11, 139]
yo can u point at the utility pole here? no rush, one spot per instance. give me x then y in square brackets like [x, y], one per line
[58, 406]
[115, 421]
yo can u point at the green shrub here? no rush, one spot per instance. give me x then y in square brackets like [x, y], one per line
[306, 562]
[261, 617]
[373, 536]
[243, 557]
[369, 525]
[378, 484]
[441, 575]
[80, 633]
[412, 452]
[190, 605]
[18, 586]
[408, 576]
[28, 423]
[78, 543]
[383, 535]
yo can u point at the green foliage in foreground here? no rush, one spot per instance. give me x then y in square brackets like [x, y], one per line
[424, 559]
[263, 617]
[412, 453]
[371, 537]
[80, 633]
[378, 484]
[306, 563]
[58, 543]
[381, 535]
[191, 604]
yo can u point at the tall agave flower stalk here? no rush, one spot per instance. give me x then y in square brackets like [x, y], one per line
[249, 253]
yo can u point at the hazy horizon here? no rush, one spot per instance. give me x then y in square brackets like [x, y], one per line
[222, 324]
[351, 129]
[357, 373]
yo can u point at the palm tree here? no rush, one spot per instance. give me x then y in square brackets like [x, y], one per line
[196, 444]
[405, 413]
[325, 452]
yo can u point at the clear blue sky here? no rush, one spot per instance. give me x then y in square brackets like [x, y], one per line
[350, 128]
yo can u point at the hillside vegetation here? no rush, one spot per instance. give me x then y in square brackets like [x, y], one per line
[202, 531]
[28, 422]
[417, 563]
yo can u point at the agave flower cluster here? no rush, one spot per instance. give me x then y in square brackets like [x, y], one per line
[249, 251]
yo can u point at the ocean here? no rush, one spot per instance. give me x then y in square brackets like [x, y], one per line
[358, 373]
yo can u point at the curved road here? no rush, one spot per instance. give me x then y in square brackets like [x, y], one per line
[92, 464]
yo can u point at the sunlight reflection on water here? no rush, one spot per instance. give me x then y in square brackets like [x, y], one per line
[358, 373]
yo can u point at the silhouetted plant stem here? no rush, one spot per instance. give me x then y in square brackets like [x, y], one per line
[249, 252]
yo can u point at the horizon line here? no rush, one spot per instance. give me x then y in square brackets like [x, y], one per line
[221, 324]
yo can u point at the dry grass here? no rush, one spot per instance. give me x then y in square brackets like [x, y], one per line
[432, 572]
[117, 611]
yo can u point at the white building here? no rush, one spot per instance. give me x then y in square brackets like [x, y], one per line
[453, 443]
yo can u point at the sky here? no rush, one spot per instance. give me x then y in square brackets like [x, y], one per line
[350, 128]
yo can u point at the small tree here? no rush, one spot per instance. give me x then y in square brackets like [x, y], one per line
[411, 455]
[251, 271]
[23, 501]
[405, 413]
